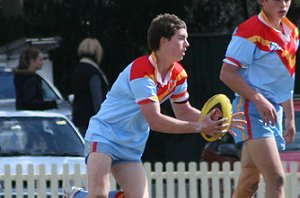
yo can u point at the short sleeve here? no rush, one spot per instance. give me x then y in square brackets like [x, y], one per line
[144, 90]
[240, 52]
[180, 94]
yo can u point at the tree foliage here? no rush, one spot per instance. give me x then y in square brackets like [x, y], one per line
[120, 25]
[220, 16]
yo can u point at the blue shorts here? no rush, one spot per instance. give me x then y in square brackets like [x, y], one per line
[255, 128]
[107, 149]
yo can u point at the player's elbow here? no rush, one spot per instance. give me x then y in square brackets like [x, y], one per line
[221, 76]
[224, 77]
[154, 125]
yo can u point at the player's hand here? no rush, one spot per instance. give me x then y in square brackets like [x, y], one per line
[290, 131]
[237, 122]
[211, 127]
[266, 110]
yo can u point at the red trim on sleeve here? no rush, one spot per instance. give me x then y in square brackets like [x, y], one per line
[145, 101]
[234, 61]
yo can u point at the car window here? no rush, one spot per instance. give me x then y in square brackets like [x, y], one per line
[48, 93]
[38, 136]
[7, 87]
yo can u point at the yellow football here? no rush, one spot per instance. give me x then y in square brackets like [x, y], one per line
[223, 104]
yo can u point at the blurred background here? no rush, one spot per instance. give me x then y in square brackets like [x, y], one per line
[121, 27]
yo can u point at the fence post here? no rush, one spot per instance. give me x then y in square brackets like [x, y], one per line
[158, 180]
[7, 181]
[54, 181]
[294, 181]
[204, 179]
[215, 178]
[227, 184]
[66, 176]
[41, 181]
[170, 179]
[30, 180]
[181, 180]
[19, 181]
[193, 192]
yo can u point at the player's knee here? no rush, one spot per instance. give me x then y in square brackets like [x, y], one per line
[278, 181]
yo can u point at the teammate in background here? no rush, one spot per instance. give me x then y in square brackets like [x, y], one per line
[260, 68]
[117, 134]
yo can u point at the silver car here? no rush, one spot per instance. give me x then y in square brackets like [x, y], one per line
[30, 137]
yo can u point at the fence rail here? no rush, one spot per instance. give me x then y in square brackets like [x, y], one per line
[193, 180]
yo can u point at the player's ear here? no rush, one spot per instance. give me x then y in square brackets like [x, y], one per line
[163, 40]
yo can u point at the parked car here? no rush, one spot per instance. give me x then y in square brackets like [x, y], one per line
[30, 137]
[225, 149]
[7, 93]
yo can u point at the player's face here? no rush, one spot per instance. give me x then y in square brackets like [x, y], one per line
[276, 9]
[177, 45]
[38, 62]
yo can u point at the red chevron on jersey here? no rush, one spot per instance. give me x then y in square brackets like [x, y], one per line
[264, 36]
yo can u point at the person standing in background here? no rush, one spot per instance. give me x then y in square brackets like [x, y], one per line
[28, 85]
[259, 66]
[89, 83]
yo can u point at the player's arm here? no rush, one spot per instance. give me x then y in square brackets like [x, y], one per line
[231, 77]
[184, 111]
[289, 121]
[167, 124]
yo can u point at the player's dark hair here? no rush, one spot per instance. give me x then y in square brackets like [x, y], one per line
[164, 25]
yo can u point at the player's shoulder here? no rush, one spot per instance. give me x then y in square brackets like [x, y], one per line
[250, 27]
[141, 67]
[179, 70]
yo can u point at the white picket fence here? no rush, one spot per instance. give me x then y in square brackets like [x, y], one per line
[193, 180]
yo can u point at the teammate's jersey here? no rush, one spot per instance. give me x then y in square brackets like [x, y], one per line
[120, 121]
[266, 56]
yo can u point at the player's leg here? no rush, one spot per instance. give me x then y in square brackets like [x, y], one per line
[265, 155]
[132, 178]
[249, 176]
[98, 169]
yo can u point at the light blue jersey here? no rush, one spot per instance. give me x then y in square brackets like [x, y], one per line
[120, 122]
[267, 61]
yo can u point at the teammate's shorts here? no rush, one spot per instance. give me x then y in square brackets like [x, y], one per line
[255, 127]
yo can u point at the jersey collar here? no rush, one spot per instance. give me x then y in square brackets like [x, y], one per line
[153, 60]
[285, 36]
